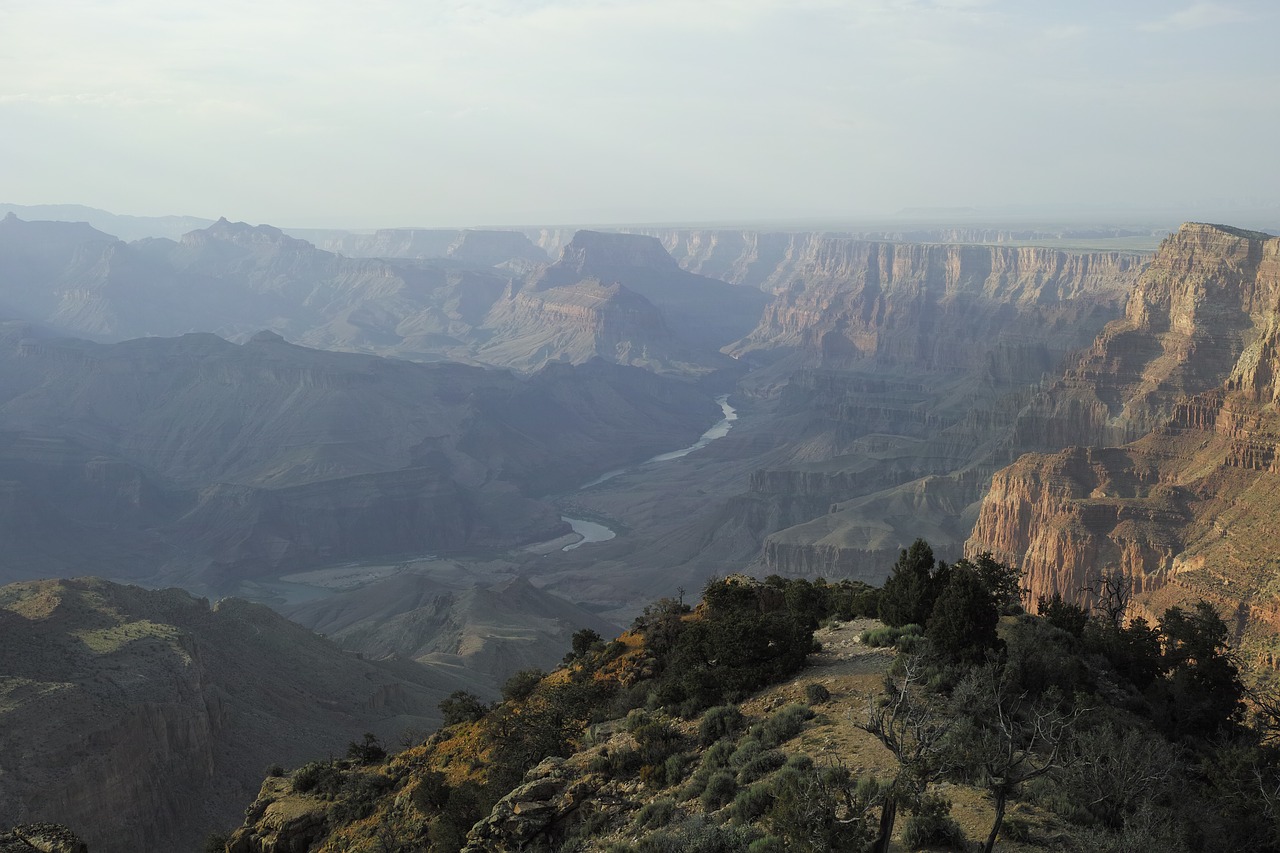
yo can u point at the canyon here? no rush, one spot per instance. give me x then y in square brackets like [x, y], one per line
[1169, 420]
[200, 461]
[1068, 410]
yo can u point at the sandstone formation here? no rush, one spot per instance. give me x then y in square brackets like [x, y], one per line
[622, 297]
[900, 372]
[1183, 389]
[143, 719]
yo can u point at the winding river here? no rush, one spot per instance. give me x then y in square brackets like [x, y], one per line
[593, 531]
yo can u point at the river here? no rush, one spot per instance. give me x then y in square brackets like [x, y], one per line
[593, 531]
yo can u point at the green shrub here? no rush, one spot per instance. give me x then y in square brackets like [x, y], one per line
[318, 777]
[461, 707]
[698, 835]
[520, 685]
[748, 748]
[677, 766]
[719, 722]
[359, 796]
[696, 784]
[759, 765]
[816, 694]
[800, 762]
[931, 825]
[370, 751]
[782, 725]
[768, 844]
[719, 753]
[275, 770]
[1016, 829]
[909, 644]
[889, 636]
[617, 763]
[751, 803]
[215, 843]
[656, 740]
[721, 788]
[656, 813]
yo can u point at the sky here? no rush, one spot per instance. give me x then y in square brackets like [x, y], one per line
[520, 112]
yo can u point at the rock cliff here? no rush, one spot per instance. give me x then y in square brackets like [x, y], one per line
[579, 322]
[623, 297]
[1183, 389]
[940, 308]
[142, 718]
[900, 371]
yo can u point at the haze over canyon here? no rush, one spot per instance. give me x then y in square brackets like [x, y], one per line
[397, 439]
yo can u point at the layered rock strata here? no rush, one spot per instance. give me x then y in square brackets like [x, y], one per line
[1184, 388]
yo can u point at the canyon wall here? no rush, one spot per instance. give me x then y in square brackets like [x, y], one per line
[1183, 389]
[901, 370]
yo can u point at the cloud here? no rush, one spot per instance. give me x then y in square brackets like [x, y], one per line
[1197, 17]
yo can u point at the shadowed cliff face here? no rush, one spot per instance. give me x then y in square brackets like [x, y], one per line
[472, 296]
[143, 719]
[165, 454]
[235, 279]
[1189, 372]
[938, 308]
[914, 361]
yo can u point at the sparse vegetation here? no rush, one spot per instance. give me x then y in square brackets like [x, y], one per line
[1105, 727]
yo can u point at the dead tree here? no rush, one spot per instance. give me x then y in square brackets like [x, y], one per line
[1010, 739]
[912, 729]
[1112, 593]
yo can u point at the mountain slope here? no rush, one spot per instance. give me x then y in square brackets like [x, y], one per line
[142, 718]
[176, 452]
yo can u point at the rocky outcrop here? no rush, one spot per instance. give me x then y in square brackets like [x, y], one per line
[276, 822]
[577, 323]
[1184, 386]
[1205, 299]
[143, 718]
[535, 810]
[765, 259]
[40, 838]
[703, 313]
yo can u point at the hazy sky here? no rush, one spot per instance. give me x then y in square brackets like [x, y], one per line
[435, 112]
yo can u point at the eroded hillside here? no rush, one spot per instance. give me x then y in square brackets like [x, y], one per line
[1181, 394]
[143, 718]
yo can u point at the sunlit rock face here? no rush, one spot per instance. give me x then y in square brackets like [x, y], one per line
[1183, 390]
[900, 371]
